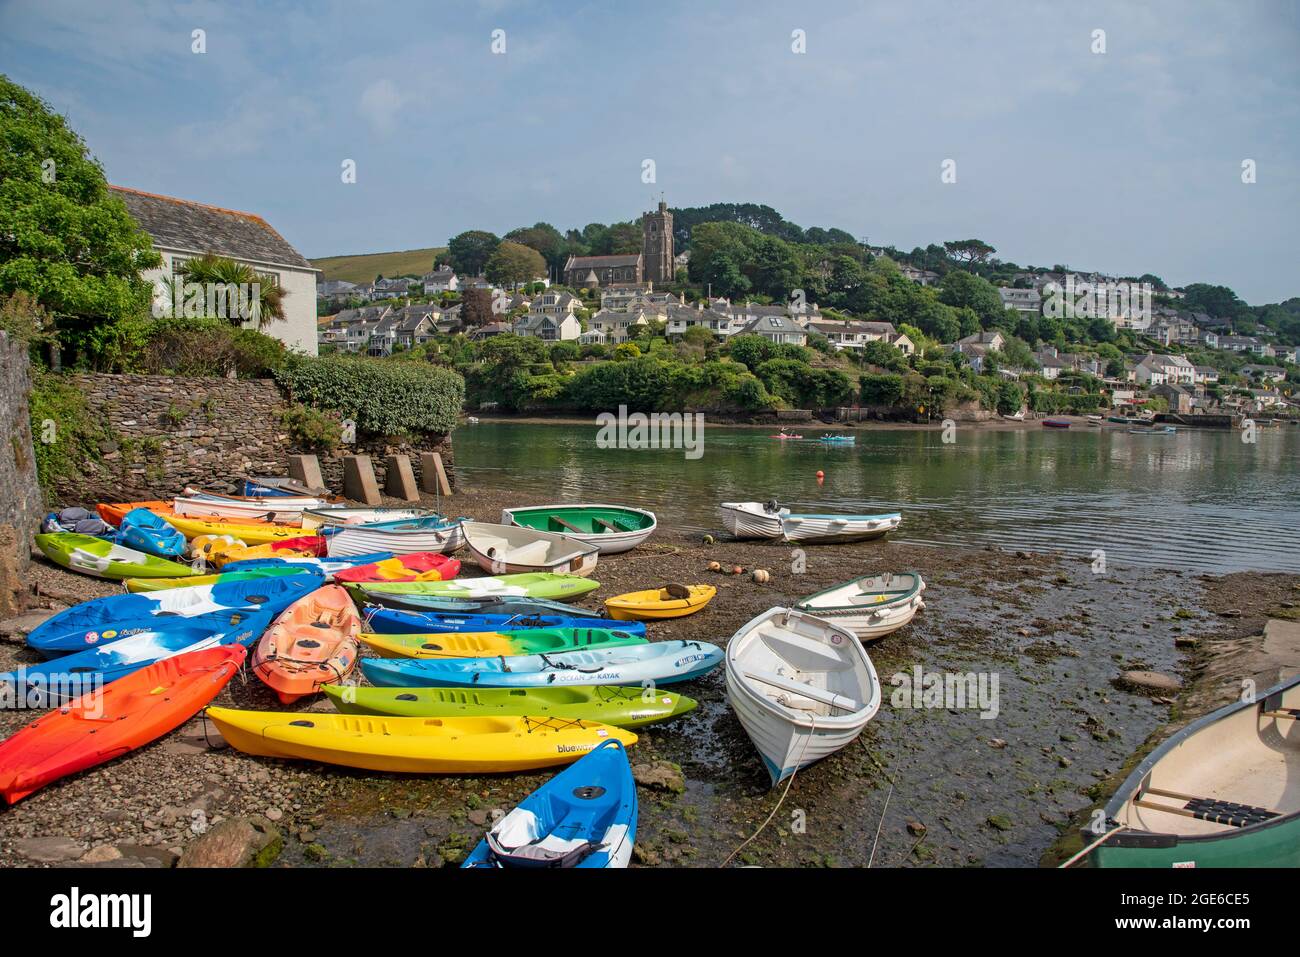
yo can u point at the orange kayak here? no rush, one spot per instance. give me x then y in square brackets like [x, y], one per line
[119, 717]
[313, 642]
[415, 567]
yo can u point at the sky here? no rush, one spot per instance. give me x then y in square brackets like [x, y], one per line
[1125, 161]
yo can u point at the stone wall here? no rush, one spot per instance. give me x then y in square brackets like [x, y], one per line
[169, 432]
[21, 506]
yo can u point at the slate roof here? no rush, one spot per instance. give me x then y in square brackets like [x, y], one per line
[199, 228]
[584, 262]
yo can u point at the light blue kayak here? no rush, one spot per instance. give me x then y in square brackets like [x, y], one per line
[56, 682]
[395, 621]
[106, 620]
[662, 663]
[585, 816]
[146, 531]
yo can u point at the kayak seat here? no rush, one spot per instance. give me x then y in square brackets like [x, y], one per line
[536, 856]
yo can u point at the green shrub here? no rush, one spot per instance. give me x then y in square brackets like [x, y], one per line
[65, 432]
[312, 428]
[383, 398]
[209, 347]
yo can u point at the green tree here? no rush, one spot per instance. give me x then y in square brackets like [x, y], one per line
[64, 238]
[470, 251]
[962, 289]
[514, 263]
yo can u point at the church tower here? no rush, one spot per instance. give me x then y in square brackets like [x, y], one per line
[657, 245]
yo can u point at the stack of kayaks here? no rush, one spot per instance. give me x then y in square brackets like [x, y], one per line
[108, 723]
[532, 585]
[281, 508]
[485, 745]
[479, 644]
[224, 577]
[105, 559]
[487, 605]
[284, 564]
[661, 662]
[415, 567]
[622, 707]
[585, 816]
[610, 528]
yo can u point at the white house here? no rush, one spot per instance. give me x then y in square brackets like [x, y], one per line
[780, 329]
[183, 230]
[1165, 370]
[440, 280]
[1027, 301]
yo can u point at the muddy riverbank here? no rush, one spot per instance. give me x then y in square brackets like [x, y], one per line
[942, 786]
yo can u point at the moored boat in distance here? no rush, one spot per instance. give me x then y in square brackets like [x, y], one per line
[611, 528]
[1223, 792]
[802, 688]
[1056, 424]
[1154, 430]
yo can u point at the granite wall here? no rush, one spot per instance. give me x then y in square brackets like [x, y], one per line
[21, 505]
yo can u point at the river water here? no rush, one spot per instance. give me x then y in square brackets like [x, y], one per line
[1196, 501]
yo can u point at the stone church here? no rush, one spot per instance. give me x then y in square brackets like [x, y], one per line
[654, 264]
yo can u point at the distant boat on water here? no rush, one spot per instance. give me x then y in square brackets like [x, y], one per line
[1055, 424]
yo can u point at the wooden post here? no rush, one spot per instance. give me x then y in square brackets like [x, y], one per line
[359, 482]
[433, 476]
[399, 480]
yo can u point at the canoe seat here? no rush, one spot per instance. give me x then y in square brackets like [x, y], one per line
[1228, 812]
[534, 553]
[820, 695]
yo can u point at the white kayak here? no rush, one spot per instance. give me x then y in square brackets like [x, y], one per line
[195, 503]
[770, 520]
[869, 607]
[802, 688]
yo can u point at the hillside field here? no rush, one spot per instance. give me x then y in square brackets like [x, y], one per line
[365, 267]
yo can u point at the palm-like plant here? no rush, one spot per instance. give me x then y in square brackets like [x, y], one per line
[265, 308]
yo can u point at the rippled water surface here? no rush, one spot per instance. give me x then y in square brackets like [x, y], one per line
[1197, 500]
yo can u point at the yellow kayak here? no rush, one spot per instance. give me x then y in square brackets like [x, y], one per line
[248, 534]
[414, 745]
[660, 602]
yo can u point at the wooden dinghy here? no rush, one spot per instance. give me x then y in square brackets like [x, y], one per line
[802, 688]
[1223, 792]
[515, 549]
[611, 528]
[771, 520]
[869, 607]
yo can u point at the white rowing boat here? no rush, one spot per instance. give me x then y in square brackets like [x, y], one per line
[322, 517]
[195, 503]
[869, 607]
[771, 520]
[435, 534]
[512, 549]
[803, 688]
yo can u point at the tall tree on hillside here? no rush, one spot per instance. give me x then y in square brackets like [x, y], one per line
[969, 250]
[476, 308]
[469, 252]
[64, 238]
[960, 288]
[546, 239]
[1218, 301]
[513, 264]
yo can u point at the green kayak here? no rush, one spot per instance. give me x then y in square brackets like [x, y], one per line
[489, 644]
[161, 584]
[610, 528]
[530, 585]
[608, 704]
[96, 556]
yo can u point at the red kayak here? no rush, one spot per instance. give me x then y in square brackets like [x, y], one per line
[118, 718]
[784, 436]
[415, 567]
[1055, 424]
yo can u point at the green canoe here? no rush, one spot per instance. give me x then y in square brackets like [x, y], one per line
[530, 585]
[489, 644]
[611, 528]
[96, 556]
[608, 704]
[1222, 792]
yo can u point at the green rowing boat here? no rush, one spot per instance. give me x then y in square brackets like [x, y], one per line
[611, 528]
[608, 704]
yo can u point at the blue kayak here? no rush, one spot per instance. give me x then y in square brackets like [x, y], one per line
[146, 531]
[585, 816]
[116, 617]
[660, 663]
[478, 606]
[56, 682]
[395, 621]
[326, 566]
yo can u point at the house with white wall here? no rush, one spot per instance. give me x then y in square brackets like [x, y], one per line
[182, 230]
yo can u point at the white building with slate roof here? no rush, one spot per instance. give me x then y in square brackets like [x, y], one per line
[184, 230]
